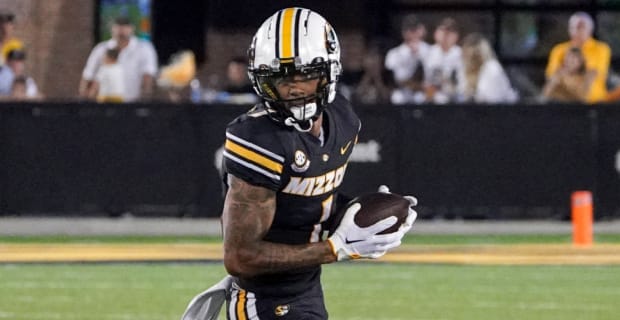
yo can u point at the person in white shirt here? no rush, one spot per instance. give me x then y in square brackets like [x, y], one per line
[109, 83]
[443, 63]
[16, 61]
[483, 78]
[6, 81]
[137, 58]
[406, 62]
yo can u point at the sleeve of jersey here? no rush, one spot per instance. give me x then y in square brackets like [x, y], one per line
[248, 159]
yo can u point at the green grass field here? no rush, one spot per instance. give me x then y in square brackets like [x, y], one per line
[158, 291]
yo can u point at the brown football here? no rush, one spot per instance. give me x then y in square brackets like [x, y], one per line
[376, 207]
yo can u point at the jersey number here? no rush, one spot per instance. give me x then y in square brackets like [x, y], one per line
[327, 209]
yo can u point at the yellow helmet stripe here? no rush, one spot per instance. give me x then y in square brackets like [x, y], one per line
[253, 156]
[288, 33]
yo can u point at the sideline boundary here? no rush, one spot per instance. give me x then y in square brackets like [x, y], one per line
[503, 254]
[129, 225]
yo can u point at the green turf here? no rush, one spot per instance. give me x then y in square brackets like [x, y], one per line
[353, 291]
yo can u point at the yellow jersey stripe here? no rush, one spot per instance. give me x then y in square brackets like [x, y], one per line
[288, 33]
[250, 165]
[253, 156]
[241, 305]
[255, 147]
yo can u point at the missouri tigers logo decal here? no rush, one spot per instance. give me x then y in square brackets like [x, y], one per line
[282, 310]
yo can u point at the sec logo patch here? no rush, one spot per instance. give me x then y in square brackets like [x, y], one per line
[301, 162]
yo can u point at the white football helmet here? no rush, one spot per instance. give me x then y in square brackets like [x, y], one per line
[295, 41]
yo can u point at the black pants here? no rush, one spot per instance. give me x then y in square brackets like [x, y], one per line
[244, 304]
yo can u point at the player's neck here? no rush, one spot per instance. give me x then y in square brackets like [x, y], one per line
[316, 126]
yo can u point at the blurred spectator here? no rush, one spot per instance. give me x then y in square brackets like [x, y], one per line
[376, 83]
[238, 88]
[483, 78]
[19, 89]
[16, 60]
[7, 41]
[6, 81]
[137, 58]
[613, 95]
[406, 61]
[597, 54]
[237, 80]
[443, 63]
[109, 83]
[177, 75]
[571, 81]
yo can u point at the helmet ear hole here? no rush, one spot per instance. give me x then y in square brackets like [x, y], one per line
[331, 41]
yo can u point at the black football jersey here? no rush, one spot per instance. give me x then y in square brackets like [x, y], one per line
[305, 175]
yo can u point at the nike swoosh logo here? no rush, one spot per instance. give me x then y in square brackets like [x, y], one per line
[347, 241]
[344, 149]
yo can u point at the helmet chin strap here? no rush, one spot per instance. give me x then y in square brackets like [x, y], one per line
[301, 113]
[293, 123]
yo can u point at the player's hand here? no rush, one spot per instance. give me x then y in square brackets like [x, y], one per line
[408, 224]
[352, 242]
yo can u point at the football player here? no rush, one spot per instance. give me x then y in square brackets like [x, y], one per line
[284, 162]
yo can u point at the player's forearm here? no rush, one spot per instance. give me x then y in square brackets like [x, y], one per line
[246, 254]
[248, 213]
[268, 257]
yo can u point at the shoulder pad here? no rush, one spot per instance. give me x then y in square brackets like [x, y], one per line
[252, 151]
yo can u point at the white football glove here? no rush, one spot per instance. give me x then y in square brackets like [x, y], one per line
[350, 241]
[408, 224]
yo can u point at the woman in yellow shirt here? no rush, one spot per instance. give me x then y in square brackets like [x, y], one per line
[597, 54]
[572, 81]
